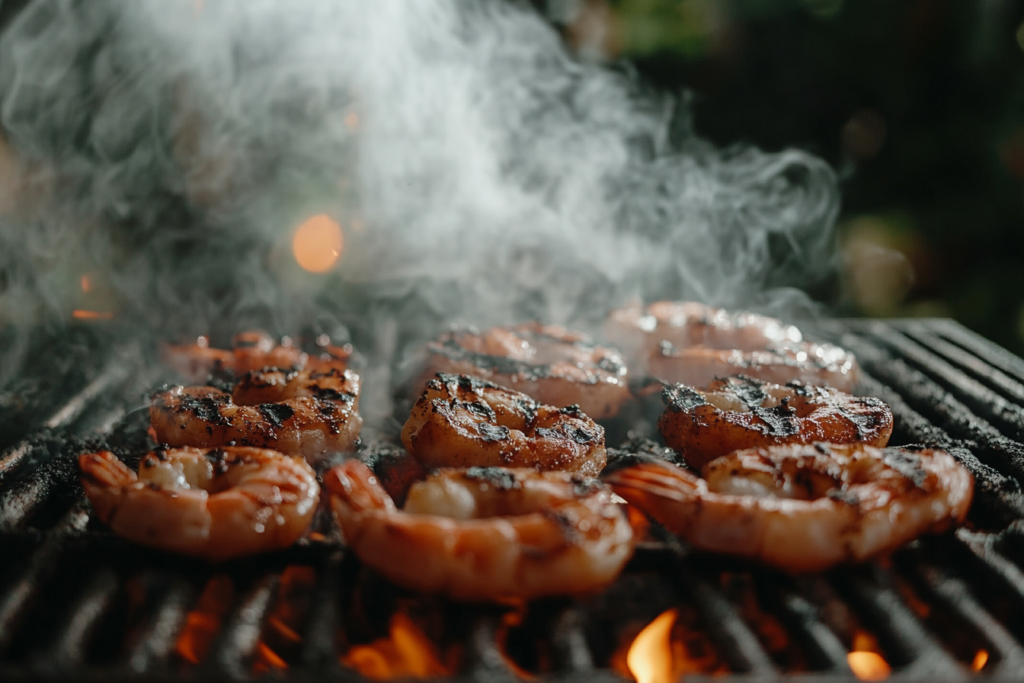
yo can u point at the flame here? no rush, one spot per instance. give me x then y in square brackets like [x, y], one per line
[86, 284]
[81, 314]
[650, 656]
[406, 653]
[868, 666]
[204, 621]
[510, 620]
[318, 243]
[980, 659]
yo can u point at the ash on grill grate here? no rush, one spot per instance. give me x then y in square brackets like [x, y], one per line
[77, 602]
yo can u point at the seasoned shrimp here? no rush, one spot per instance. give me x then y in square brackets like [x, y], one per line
[250, 351]
[211, 503]
[689, 343]
[461, 421]
[549, 363]
[741, 412]
[307, 412]
[485, 533]
[803, 507]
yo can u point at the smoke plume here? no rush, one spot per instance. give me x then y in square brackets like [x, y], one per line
[479, 172]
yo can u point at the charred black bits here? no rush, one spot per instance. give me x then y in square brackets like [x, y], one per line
[844, 496]
[491, 432]
[572, 411]
[681, 398]
[276, 413]
[780, 420]
[500, 479]
[480, 409]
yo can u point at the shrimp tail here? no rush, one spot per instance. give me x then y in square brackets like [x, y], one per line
[103, 476]
[354, 484]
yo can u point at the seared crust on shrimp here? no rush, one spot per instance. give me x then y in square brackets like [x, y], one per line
[308, 412]
[463, 421]
[549, 363]
[690, 343]
[250, 351]
[803, 507]
[742, 412]
[211, 503]
[485, 533]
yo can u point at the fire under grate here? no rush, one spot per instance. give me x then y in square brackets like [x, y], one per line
[77, 603]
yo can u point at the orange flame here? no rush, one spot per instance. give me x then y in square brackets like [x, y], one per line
[81, 314]
[980, 660]
[650, 656]
[406, 653]
[868, 666]
[317, 243]
[204, 621]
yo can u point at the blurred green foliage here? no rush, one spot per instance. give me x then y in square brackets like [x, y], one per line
[918, 104]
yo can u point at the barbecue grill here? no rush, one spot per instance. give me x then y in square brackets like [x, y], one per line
[77, 602]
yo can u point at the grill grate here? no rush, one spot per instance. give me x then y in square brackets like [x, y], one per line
[78, 603]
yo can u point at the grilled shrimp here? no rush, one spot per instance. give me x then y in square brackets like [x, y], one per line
[307, 412]
[741, 412]
[690, 343]
[250, 351]
[549, 363]
[803, 507]
[461, 421]
[485, 533]
[211, 503]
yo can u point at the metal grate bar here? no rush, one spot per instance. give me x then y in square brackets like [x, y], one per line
[319, 651]
[43, 564]
[152, 643]
[979, 346]
[114, 373]
[901, 634]
[982, 549]
[924, 394]
[824, 650]
[71, 638]
[569, 644]
[966, 360]
[483, 658]
[241, 633]
[734, 639]
[973, 393]
[957, 598]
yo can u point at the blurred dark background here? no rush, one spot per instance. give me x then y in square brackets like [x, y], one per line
[917, 104]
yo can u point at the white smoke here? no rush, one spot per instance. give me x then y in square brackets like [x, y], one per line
[481, 173]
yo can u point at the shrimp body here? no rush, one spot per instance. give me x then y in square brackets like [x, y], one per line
[211, 503]
[463, 421]
[250, 351]
[548, 363]
[741, 412]
[307, 413]
[689, 343]
[485, 534]
[803, 507]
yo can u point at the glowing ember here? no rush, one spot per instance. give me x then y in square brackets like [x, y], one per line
[317, 244]
[868, 666]
[80, 314]
[406, 653]
[280, 642]
[204, 621]
[650, 656]
[980, 660]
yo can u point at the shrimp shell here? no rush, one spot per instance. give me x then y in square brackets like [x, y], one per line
[485, 534]
[741, 412]
[547, 362]
[803, 507]
[309, 413]
[690, 343]
[211, 503]
[463, 421]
